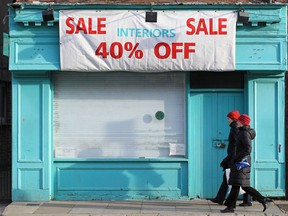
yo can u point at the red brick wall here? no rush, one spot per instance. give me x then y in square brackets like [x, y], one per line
[160, 1]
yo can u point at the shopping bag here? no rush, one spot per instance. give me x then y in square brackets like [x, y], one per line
[227, 172]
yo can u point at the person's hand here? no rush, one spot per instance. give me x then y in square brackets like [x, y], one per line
[223, 164]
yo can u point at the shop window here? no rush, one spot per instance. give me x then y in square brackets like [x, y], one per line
[217, 80]
[119, 115]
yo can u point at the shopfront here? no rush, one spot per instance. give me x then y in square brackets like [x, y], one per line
[112, 102]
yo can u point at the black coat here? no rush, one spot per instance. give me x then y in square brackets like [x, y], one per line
[243, 149]
[227, 162]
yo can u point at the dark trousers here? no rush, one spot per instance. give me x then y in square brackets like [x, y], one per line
[247, 198]
[232, 198]
[222, 190]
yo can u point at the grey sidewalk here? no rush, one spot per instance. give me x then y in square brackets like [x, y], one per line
[138, 208]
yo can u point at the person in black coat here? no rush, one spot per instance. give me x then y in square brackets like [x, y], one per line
[227, 161]
[240, 170]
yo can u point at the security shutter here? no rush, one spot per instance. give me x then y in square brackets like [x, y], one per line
[118, 114]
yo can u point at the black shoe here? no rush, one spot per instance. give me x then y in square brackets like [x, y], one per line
[216, 201]
[264, 203]
[227, 210]
[245, 204]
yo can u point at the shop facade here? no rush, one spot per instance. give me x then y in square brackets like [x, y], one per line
[143, 127]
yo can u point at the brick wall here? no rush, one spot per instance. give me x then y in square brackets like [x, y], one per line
[160, 1]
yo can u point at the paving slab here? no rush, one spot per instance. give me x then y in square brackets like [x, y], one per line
[195, 207]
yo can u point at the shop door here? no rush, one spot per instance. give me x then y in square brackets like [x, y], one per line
[208, 134]
[268, 154]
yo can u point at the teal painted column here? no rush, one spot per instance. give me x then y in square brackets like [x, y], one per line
[31, 145]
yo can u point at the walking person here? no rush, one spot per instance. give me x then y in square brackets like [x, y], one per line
[240, 171]
[227, 162]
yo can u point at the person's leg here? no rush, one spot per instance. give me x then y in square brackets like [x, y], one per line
[254, 193]
[247, 200]
[231, 200]
[220, 197]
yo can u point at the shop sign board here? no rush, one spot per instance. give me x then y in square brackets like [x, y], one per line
[120, 40]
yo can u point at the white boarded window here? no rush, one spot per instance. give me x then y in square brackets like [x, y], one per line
[112, 115]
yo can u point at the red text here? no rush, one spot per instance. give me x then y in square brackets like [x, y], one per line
[172, 50]
[207, 26]
[86, 25]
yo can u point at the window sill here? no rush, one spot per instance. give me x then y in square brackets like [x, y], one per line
[170, 159]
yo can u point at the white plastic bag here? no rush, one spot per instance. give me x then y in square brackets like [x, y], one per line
[227, 172]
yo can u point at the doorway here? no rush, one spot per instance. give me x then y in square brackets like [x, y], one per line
[212, 96]
[209, 132]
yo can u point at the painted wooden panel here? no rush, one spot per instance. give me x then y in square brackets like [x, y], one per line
[42, 53]
[25, 176]
[267, 120]
[30, 145]
[255, 54]
[31, 138]
[120, 180]
[30, 29]
[270, 180]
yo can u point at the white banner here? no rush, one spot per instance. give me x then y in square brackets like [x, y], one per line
[113, 40]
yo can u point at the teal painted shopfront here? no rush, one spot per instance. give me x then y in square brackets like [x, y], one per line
[93, 133]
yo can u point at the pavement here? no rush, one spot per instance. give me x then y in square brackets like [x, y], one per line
[195, 207]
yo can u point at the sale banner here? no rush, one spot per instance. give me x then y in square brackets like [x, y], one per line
[119, 40]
